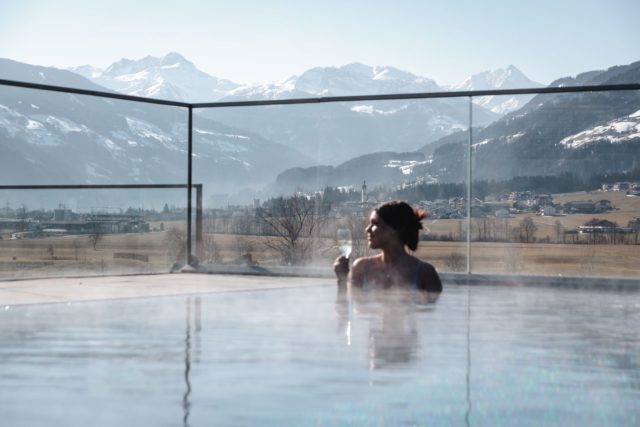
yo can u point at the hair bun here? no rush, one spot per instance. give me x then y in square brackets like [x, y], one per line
[420, 215]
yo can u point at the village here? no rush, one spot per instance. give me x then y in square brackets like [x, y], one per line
[21, 223]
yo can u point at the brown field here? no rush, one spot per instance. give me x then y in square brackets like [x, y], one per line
[76, 256]
[153, 252]
[538, 259]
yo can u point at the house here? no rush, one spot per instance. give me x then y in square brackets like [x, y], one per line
[541, 200]
[548, 211]
[621, 186]
[580, 207]
[598, 226]
[634, 224]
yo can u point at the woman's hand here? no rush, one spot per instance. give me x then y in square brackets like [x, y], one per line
[341, 268]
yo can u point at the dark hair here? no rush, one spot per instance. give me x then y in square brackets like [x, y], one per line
[404, 219]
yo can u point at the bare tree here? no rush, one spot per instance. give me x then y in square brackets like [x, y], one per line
[95, 235]
[526, 230]
[559, 231]
[486, 229]
[294, 223]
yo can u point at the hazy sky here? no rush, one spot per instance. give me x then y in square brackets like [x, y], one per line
[264, 40]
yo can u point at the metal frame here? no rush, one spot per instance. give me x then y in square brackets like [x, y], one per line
[316, 100]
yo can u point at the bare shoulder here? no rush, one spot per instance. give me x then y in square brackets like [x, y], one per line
[429, 278]
[359, 266]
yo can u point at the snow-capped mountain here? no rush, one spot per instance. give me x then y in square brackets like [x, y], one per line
[321, 130]
[362, 79]
[169, 77]
[59, 138]
[579, 133]
[337, 132]
[351, 79]
[509, 78]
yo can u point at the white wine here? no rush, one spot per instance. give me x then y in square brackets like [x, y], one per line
[344, 241]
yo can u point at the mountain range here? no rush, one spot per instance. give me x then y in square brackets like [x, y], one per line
[58, 138]
[583, 134]
[320, 130]
[174, 77]
[62, 138]
[580, 133]
[169, 77]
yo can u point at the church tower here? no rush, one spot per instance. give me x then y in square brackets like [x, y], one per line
[363, 198]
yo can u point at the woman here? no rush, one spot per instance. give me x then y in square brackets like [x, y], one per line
[392, 226]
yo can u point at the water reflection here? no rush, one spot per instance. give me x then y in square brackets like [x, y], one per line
[393, 339]
[186, 401]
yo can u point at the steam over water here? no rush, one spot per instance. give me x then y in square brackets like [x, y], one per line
[485, 355]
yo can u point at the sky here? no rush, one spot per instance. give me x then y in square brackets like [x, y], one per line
[258, 41]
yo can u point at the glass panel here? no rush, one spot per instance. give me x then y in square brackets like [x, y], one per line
[557, 184]
[264, 168]
[50, 140]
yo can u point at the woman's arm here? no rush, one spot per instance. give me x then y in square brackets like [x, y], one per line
[341, 269]
[345, 275]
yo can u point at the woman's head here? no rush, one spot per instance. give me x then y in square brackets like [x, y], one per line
[403, 219]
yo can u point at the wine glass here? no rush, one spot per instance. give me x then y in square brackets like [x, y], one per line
[344, 241]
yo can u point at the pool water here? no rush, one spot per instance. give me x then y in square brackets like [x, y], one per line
[479, 356]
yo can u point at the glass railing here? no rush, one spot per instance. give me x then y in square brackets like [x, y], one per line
[96, 183]
[90, 185]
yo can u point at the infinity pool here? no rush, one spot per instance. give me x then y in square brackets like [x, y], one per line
[479, 356]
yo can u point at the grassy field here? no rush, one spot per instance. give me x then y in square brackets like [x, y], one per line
[158, 251]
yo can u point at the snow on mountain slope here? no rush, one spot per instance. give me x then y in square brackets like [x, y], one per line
[616, 131]
[168, 77]
[285, 89]
[351, 79]
[509, 78]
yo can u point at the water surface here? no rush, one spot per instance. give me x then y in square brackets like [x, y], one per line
[480, 356]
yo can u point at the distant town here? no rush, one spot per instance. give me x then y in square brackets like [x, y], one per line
[344, 202]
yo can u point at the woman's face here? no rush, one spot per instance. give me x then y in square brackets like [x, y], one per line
[379, 234]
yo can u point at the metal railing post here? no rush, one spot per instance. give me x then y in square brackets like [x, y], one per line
[469, 184]
[189, 255]
[198, 221]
